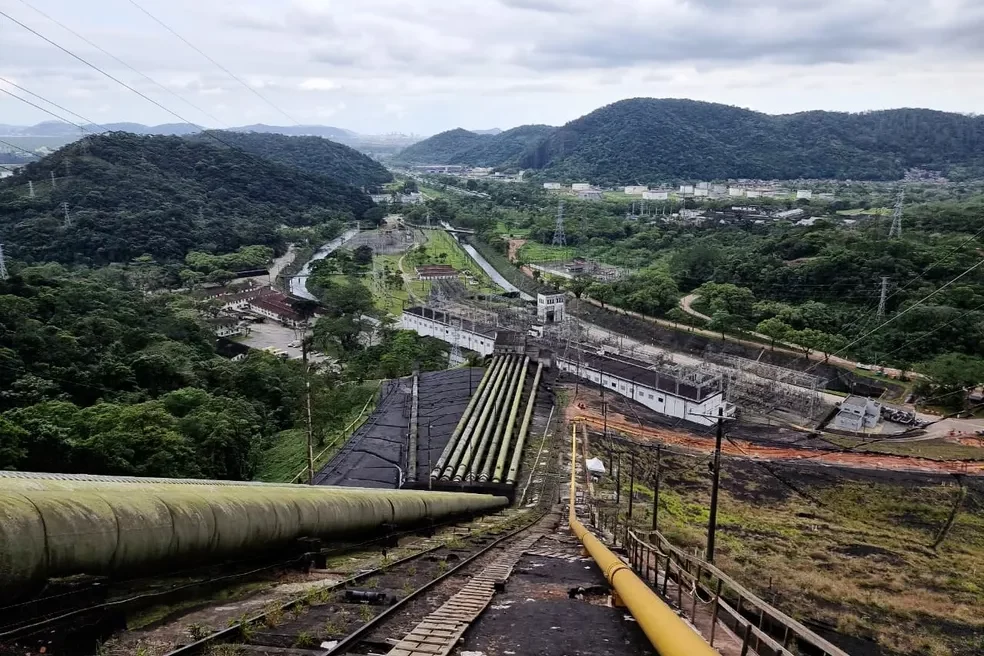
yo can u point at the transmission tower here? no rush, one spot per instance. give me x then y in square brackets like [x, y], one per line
[428, 219]
[896, 230]
[68, 215]
[558, 238]
[3, 265]
[52, 179]
[884, 296]
[455, 356]
[30, 188]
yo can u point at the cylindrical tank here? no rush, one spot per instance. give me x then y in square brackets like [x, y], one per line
[51, 527]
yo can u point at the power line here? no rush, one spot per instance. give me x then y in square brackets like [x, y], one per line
[52, 103]
[217, 64]
[900, 314]
[46, 111]
[122, 63]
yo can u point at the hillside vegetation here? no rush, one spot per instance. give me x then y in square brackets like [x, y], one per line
[463, 147]
[132, 195]
[647, 140]
[314, 155]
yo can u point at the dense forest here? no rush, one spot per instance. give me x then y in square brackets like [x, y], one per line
[99, 378]
[463, 147]
[129, 196]
[646, 140]
[314, 155]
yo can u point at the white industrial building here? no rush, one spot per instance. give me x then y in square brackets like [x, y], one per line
[788, 215]
[686, 189]
[580, 186]
[698, 192]
[550, 307]
[589, 194]
[804, 193]
[636, 190]
[674, 391]
[719, 189]
[857, 413]
[448, 327]
[736, 192]
[752, 193]
[656, 194]
[553, 186]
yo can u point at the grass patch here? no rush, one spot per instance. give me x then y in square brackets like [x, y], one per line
[533, 251]
[860, 561]
[502, 229]
[935, 449]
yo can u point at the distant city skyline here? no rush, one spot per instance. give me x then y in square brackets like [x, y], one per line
[384, 66]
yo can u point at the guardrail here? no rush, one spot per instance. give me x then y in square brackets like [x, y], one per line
[762, 629]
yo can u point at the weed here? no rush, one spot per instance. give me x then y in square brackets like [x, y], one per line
[274, 616]
[371, 584]
[366, 613]
[304, 640]
[442, 566]
[412, 570]
[333, 627]
[198, 631]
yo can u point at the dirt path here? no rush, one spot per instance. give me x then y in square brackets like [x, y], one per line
[514, 246]
[591, 415]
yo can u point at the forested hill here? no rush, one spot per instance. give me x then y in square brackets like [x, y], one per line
[646, 140]
[314, 155]
[132, 195]
[463, 147]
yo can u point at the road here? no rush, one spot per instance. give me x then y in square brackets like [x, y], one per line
[298, 284]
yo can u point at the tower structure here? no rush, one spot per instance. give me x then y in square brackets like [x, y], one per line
[68, 215]
[454, 357]
[30, 188]
[896, 229]
[3, 265]
[559, 239]
[884, 297]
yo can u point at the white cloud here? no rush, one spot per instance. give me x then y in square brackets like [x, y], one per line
[378, 65]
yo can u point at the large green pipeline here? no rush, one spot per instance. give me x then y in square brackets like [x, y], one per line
[456, 434]
[670, 635]
[499, 405]
[523, 429]
[482, 468]
[476, 423]
[53, 528]
[500, 461]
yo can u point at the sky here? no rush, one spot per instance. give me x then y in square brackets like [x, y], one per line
[424, 66]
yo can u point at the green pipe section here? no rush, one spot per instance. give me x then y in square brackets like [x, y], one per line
[53, 528]
[494, 426]
[504, 427]
[500, 463]
[476, 416]
[453, 440]
[518, 452]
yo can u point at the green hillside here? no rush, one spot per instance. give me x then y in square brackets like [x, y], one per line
[132, 195]
[463, 147]
[648, 140]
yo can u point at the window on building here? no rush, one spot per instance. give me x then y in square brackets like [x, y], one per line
[650, 396]
[660, 399]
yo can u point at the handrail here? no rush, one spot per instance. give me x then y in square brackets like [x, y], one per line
[668, 634]
[692, 564]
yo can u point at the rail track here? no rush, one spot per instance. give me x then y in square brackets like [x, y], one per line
[344, 617]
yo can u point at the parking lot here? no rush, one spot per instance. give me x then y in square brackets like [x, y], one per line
[270, 333]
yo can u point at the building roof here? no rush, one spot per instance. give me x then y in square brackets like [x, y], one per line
[281, 309]
[222, 321]
[510, 338]
[427, 270]
[446, 318]
[690, 384]
[859, 402]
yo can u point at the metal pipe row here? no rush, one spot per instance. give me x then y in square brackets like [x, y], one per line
[470, 441]
[477, 420]
[523, 429]
[456, 434]
[669, 635]
[503, 432]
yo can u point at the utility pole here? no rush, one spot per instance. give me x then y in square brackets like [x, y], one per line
[68, 215]
[884, 297]
[618, 482]
[30, 188]
[712, 521]
[307, 393]
[631, 481]
[659, 471]
[3, 265]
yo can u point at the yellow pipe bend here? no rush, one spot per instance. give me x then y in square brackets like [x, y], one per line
[668, 634]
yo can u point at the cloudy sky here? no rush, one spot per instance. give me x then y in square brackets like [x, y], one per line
[423, 66]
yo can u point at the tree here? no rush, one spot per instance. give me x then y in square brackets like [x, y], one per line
[410, 186]
[722, 321]
[774, 329]
[578, 285]
[949, 377]
[362, 255]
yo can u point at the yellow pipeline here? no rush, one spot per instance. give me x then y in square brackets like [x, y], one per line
[669, 634]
